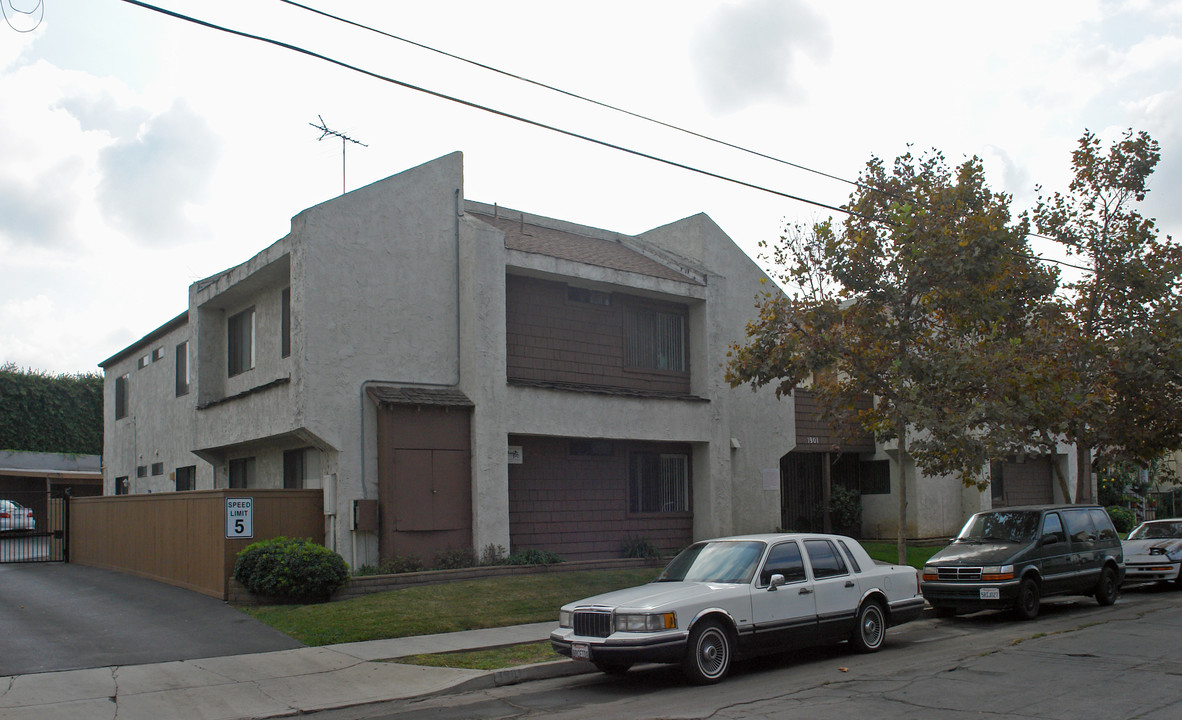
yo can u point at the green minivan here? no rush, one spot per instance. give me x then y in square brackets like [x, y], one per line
[1010, 558]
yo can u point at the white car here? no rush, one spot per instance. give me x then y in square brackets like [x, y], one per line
[742, 596]
[14, 517]
[1153, 551]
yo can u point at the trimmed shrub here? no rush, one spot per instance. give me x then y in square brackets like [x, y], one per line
[454, 559]
[290, 569]
[534, 557]
[1122, 518]
[640, 547]
[401, 564]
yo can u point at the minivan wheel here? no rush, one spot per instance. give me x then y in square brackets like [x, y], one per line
[1026, 607]
[1106, 589]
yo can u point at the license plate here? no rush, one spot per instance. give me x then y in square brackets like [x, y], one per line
[580, 651]
[990, 594]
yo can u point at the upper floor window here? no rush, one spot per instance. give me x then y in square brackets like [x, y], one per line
[121, 393]
[654, 340]
[240, 342]
[241, 473]
[182, 369]
[285, 322]
[186, 478]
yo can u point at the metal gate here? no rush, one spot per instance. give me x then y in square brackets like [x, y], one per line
[33, 527]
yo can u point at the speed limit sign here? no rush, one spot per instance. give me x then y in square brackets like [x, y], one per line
[239, 517]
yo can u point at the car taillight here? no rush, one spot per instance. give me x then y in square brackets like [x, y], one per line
[4, 515]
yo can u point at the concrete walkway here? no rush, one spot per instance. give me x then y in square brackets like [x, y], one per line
[268, 684]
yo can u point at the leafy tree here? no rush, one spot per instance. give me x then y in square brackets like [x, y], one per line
[40, 412]
[1120, 342]
[921, 298]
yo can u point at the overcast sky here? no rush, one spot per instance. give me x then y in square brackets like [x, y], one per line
[140, 153]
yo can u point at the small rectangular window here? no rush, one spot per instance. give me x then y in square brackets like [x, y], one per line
[143, 362]
[590, 448]
[121, 485]
[182, 369]
[158, 354]
[141, 471]
[874, 477]
[588, 297]
[186, 478]
[241, 473]
[240, 342]
[121, 396]
[285, 323]
[157, 469]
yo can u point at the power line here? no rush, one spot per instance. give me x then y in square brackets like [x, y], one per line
[541, 125]
[630, 113]
[485, 108]
[577, 96]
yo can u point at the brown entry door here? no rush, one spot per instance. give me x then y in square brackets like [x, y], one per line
[431, 490]
[425, 481]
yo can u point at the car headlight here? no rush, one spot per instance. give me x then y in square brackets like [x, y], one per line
[930, 574]
[564, 619]
[645, 622]
[1176, 555]
[997, 573]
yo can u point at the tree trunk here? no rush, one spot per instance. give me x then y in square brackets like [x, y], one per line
[901, 432]
[826, 495]
[1083, 473]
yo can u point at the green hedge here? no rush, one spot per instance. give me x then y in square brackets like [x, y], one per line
[290, 569]
[40, 412]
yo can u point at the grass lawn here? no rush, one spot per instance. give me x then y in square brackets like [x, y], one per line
[490, 659]
[446, 607]
[889, 552]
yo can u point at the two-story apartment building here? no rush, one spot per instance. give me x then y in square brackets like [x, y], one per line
[455, 374]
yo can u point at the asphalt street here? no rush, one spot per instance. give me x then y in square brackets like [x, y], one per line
[1077, 660]
[57, 616]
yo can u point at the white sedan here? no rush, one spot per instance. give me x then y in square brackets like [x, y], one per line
[742, 596]
[1153, 551]
[15, 517]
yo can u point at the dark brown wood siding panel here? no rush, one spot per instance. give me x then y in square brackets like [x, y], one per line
[424, 480]
[814, 432]
[552, 339]
[1024, 483]
[577, 506]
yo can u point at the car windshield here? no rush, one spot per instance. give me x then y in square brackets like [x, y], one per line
[1009, 526]
[1157, 531]
[721, 562]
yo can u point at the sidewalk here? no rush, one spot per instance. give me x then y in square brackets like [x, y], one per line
[269, 684]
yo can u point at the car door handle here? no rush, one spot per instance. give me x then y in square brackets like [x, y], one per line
[849, 583]
[806, 591]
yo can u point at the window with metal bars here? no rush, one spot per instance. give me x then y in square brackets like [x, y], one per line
[658, 483]
[654, 340]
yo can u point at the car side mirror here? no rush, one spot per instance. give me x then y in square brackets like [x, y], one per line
[776, 581]
[1048, 539]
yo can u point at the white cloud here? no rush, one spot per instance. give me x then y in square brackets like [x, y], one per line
[749, 52]
[150, 179]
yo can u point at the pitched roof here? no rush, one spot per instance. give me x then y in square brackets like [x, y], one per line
[565, 245]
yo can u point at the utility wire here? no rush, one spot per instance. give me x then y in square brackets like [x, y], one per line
[538, 124]
[485, 108]
[577, 96]
[625, 111]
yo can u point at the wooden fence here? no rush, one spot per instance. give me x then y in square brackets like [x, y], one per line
[180, 538]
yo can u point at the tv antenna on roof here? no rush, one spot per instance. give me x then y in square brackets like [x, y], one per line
[325, 132]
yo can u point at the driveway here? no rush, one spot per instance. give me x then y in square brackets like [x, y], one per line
[57, 616]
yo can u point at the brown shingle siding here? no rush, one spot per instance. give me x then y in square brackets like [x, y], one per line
[577, 506]
[549, 339]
